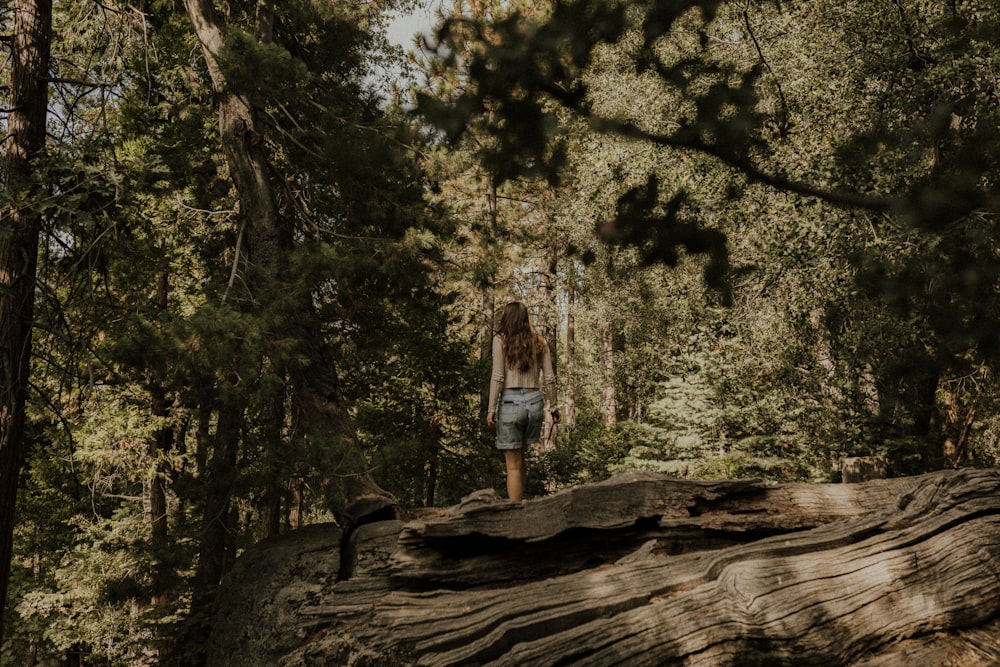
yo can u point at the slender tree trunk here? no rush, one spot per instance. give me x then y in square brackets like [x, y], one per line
[927, 420]
[275, 482]
[203, 440]
[182, 420]
[295, 488]
[485, 345]
[30, 49]
[217, 526]
[487, 304]
[550, 324]
[218, 493]
[156, 494]
[243, 147]
[264, 21]
[271, 239]
[433, 462]
[609, 399]
[161, 442]
[568, 384]
[924, 401]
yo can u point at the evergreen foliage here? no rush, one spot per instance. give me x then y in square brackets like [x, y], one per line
[852, 323]
[759, 238]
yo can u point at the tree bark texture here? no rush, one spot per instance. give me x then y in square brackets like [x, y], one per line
[547, 318]
[161, 442]
[243, 144]
[217, 526]
[220, 477]
[19, 234]
[548, 324]
[609, 399]
[488, 302]
[487, 306]
[277, 481]
[640, 570]
[569, 383]
[268, 290]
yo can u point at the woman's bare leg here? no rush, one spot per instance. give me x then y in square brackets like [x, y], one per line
[515, 473]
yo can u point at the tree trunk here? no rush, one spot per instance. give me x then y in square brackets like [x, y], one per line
[203, 440]
[156, 486]
[156, 495]
[488, 301]
[549, 326]
[269, 240]
[217, 525]
[295, 504]
[218, 494]
[569, 386]
[432, 466]
[609, 400]
[160, 443]
[925, 401]
[30, 51]
[243, 146]
[485, 347]
[640, 570]
[276, 479]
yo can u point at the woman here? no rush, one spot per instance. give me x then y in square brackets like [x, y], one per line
[522, 364]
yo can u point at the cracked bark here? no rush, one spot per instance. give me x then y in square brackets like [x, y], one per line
[647, 570]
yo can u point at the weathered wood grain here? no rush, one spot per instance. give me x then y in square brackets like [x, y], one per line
[824, 596]
[646, 570]
[487, 543]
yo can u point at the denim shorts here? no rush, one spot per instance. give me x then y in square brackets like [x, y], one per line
[519, 418]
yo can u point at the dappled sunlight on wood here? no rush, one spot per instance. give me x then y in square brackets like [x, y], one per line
[885, 562]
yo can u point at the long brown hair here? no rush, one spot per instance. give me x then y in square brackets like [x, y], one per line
[522, 346]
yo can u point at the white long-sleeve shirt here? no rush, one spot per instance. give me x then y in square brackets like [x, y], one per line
[538, 376]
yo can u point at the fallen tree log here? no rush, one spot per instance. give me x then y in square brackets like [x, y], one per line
[641, 570]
